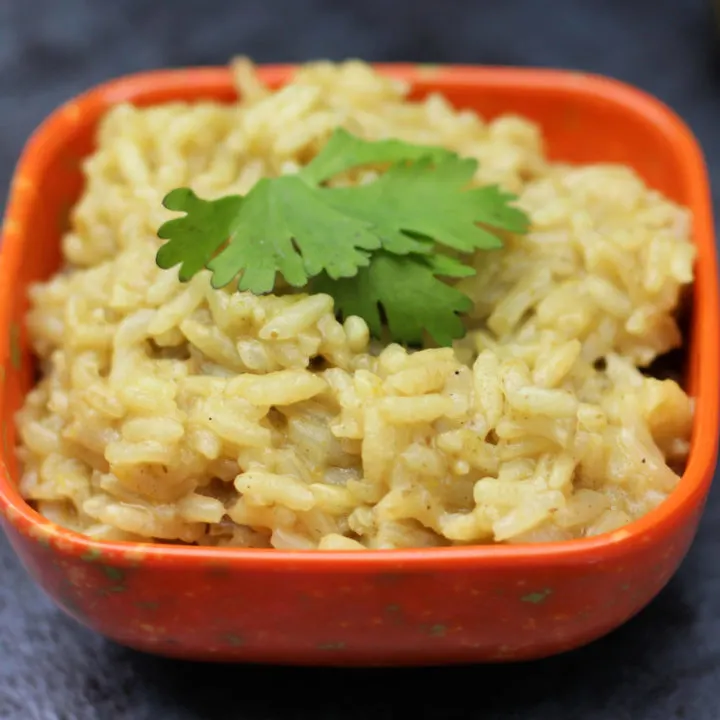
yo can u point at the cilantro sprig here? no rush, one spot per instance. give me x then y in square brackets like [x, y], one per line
[380, 249]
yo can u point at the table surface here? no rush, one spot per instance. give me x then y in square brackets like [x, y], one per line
[665, 663]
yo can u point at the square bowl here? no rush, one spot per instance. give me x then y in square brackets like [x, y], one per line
[395, 607]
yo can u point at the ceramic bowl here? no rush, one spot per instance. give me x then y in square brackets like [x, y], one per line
[405, 607]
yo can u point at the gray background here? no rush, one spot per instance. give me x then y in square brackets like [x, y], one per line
[664, 664]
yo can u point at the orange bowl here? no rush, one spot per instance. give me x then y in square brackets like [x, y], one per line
[425, 606]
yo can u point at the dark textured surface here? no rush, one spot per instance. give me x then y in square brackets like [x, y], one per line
[663, 665]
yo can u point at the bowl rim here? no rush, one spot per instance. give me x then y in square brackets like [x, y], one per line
[687, 497]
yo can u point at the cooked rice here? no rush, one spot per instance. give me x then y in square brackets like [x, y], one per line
[175, 412]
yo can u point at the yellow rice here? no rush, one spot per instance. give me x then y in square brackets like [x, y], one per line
[174, 412]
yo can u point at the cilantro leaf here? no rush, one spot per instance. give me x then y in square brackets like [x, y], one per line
[432, 202]
[344, 151]
[281, 226]
[413, 299]
[195, 238]
[375, 248]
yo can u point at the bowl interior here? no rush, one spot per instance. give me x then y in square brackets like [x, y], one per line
[584, 119]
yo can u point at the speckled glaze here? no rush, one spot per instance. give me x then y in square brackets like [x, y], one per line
[364, 608]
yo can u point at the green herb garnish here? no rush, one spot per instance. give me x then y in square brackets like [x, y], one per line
[408, 289]
[376, 248]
